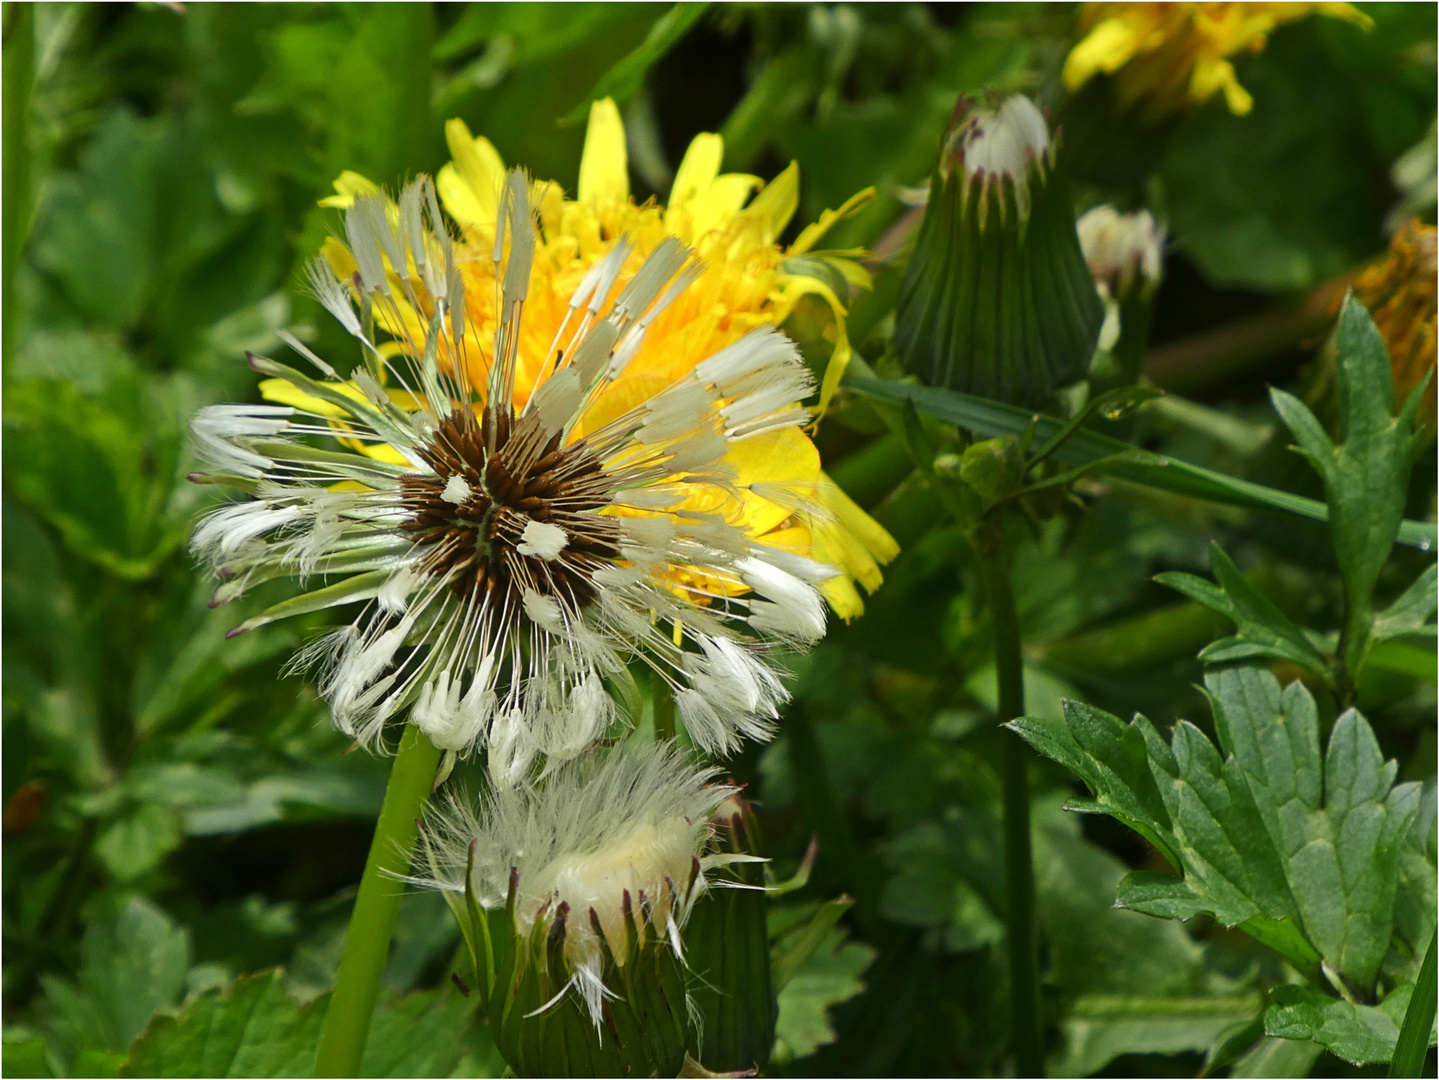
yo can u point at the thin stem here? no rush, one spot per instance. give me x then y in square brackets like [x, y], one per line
[1018, 858]
[372, 922]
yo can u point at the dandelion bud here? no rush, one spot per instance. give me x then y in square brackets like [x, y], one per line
[573, 897]
[997, 300]
[1125, 254]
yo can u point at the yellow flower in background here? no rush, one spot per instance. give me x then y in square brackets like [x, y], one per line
[747, 281]
[1168, 57]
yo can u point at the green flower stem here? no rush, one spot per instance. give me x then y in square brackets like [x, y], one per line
[372, 922]
[1018, 858]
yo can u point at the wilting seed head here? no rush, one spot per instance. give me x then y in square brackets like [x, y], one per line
[511, 555]
[602, 842]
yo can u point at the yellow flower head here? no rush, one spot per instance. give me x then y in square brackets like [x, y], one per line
[745, 281]
[1168, 57]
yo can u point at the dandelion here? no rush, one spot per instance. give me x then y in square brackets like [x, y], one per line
[997, 300]
[516, 523]
[745, 281]
[600, 868]
[1166, 58]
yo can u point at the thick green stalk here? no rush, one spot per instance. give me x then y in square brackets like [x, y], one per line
[1018, 858]
[372, 922]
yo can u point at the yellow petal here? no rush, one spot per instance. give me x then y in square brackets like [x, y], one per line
[869, 533]
[828, 219]
[1107, 48]
[478, 166]
[348, 185]
[338, 256]
[713, 208]
[792, 287]
[459, 201]
[777, 203]
[604, 166]
[842, 597]
[853, 541]
[696, 173]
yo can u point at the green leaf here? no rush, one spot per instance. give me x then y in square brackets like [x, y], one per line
[102, 469]
[1263, 628]
[1366, 476]
[1360, 1034]
[1099, 1028]
[25, 1057]
[1341, 859]
[1278, 199]
[1273, 1057]
[254, 1028]
[626, 78]
[829, 976]
[798, 945]
[1159, 895]
[138, 841]
[1111, 758]
[993, 418]
[1302, 855]
[1410, 615]
[130, 965]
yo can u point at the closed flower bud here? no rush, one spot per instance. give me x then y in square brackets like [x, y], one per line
[1125, 255]
[997, 300]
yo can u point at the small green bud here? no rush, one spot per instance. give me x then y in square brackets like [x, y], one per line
[997, 300]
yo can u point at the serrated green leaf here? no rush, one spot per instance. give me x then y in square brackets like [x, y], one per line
[1263, 628]
[1341, 859]
[1256, 847]
[1160, 895]
[988, 418]
[832, 974]
[1360, 1034]
[1110, 758]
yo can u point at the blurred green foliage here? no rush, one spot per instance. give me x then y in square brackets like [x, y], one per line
[180, 817]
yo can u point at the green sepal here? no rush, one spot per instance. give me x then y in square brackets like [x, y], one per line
[728, 952]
